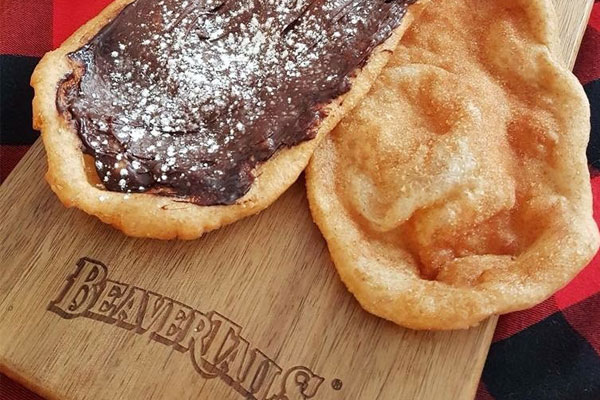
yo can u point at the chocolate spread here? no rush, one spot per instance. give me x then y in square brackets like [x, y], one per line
[186, 97]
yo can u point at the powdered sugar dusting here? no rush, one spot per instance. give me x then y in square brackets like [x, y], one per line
[186, 97]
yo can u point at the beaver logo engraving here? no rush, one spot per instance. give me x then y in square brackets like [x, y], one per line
[215, 344]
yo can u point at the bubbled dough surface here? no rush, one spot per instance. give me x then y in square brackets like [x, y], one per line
[459, 187]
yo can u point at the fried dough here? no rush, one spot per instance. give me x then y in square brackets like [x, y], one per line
[459, 187]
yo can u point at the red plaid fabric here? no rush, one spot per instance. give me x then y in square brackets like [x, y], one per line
[549, 352]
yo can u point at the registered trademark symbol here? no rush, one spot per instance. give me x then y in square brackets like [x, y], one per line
[336, 384]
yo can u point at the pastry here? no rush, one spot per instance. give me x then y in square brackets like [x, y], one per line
[170, 118]
[459, 187]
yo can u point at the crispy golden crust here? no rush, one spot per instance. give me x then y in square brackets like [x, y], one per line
[148, 215]
[459, 187]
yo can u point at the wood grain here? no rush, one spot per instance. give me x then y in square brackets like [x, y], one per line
[271, 274]
[573, 18]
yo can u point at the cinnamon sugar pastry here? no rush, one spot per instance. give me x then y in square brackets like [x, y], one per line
[459, 187]
[169, 118]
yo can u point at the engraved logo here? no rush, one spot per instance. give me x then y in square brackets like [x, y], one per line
[215, 344]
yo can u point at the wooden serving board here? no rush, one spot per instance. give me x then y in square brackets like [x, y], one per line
[259, 296]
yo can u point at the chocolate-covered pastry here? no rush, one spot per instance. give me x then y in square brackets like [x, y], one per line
[189, 102]
[184, 104]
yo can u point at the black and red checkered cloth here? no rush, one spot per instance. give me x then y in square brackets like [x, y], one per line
[550, 352]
